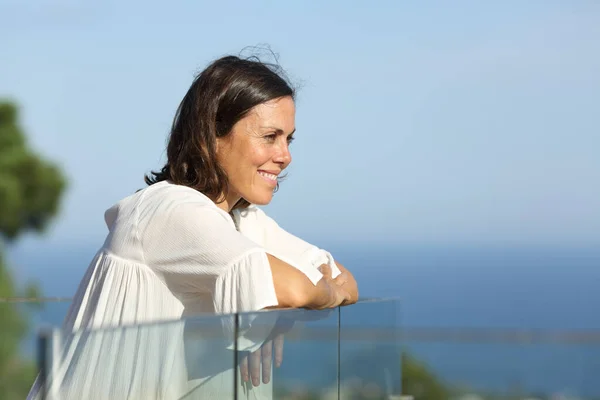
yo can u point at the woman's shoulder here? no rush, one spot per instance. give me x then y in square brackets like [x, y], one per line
[159, 201]
[169, 203]
[168, 193]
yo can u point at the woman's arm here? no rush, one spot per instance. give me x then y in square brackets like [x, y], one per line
[294, 289]
[256, 225]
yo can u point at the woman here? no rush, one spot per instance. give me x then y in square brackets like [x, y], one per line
[194, 241]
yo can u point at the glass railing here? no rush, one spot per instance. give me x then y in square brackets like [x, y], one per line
[478, 363]
[28, 315]
[349, 353]
[345, 353]
[370, 354]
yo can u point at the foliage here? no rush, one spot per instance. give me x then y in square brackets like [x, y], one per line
[30, 186]
[16, 375]
[420, 382]
[30, 193]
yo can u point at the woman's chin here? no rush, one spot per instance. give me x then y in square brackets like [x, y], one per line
[260, 199]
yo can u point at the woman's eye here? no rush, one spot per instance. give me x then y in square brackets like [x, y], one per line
[272, 137]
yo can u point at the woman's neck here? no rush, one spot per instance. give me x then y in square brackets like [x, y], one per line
[228, 203]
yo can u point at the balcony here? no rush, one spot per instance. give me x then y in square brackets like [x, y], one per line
[348, 352]
[356, 352]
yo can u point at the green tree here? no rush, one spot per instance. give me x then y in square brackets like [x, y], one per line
[30, 193]
[419, 381]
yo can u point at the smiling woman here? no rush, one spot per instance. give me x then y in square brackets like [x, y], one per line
[194, 241]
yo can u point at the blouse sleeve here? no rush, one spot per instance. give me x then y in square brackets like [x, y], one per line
[254, 224]
[196, 249]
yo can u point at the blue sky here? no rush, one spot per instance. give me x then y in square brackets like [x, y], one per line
[422, 123]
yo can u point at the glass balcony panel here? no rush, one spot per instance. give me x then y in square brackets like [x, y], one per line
[291, 354]
[370, 351]
[191, 358]
[503, 364]
[306, 344]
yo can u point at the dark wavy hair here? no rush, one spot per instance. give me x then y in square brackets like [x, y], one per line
[219, 97]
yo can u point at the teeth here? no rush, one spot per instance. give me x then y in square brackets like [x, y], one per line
[268, 176]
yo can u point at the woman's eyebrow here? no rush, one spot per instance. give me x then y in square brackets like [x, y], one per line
[277, 130]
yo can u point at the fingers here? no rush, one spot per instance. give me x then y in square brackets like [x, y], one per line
[266, 351]
[325, 270]
[254, 365]
[342, 296]
[244, 368]
[341, 279]
[278, 344]
[261, 360]
[347, 296]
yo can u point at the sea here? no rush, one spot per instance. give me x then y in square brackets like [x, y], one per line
[470, 288]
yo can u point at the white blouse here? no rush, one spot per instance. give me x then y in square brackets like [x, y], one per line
[170, 253]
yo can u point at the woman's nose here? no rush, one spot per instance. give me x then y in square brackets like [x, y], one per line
[283, 155]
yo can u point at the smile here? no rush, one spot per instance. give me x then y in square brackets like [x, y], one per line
[271, 178]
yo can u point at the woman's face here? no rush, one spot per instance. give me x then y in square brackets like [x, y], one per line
[257, 151]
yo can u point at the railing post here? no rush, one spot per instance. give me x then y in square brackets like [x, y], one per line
[236, 359]
[42, 363]
[339, 352]
[47, 357]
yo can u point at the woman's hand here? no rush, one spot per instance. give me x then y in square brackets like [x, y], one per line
[295, 290]
[259, 362]
[256, 367]
[347, 281]
[337, 292]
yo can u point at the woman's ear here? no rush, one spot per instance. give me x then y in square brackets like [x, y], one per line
[218, 145]
[222, 145]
